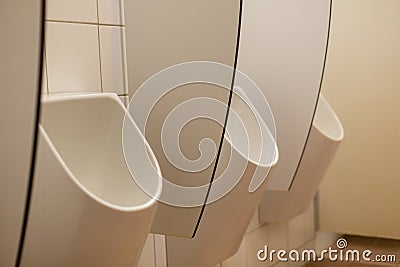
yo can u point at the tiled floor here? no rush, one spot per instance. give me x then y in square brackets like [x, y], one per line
[378, 246]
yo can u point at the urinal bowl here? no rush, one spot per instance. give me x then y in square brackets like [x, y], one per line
[325, 136]
[224, 221]
[86, 210]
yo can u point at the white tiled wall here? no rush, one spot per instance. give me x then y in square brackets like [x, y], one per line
[147, 258]
[295, 234]
[112, 58]
[84, 47]
[85, 52]
[72, 10]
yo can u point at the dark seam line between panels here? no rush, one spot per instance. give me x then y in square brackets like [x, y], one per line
[35, 140]
[319, 92]
[226, 117]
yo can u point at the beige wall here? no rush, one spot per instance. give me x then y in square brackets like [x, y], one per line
[360, 192]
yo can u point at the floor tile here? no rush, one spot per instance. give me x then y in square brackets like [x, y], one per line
[386, 247]
[327, 264]
[355, 242]
[365, 265]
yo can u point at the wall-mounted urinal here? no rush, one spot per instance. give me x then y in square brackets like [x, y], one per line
[86, 209]
[326, 135]
[249, 153]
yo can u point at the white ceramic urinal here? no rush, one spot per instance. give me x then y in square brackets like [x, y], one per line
[325, 136]
[247, 156]
[86, 209]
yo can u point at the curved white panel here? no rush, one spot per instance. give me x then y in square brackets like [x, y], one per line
[160, 34]
[224, 221]
[20, 31]
[326, 135]
[282, 48]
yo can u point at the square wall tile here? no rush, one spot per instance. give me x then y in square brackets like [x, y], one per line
[295, 264]
[309, 223]
[277, 235]
[160, 249]
[281, 264]
[310, 245]
[72, 53]
[147, 258]
[296, 232]
[72, 10]
[112, 59]
[256, 241]
[325, 239]
[254, 223]
[44, 76]
[110, 12]
[301, 229]
[239, 259]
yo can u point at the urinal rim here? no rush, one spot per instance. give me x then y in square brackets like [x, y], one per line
[264, 124]
[71, 96]
[332, 113]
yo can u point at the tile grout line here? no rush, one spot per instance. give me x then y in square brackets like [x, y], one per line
[124, 61]
[246, 259]
[84, 22]
[257, 228]
[154, 249]
[99, 46]
[47, 67]
[121, 12]
[166, 250]
[316, 211]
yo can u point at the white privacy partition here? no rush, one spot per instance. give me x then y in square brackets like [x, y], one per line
[282, 48]
[20, 31]
[326, 135]
[160, 34]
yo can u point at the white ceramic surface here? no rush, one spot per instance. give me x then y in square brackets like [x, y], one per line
[224, 221]
[72, 10]
[282, 49]
[110, 12]
[72, 55]
[86, 209]
[112, 60]
[326, 134]
[160, 34]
